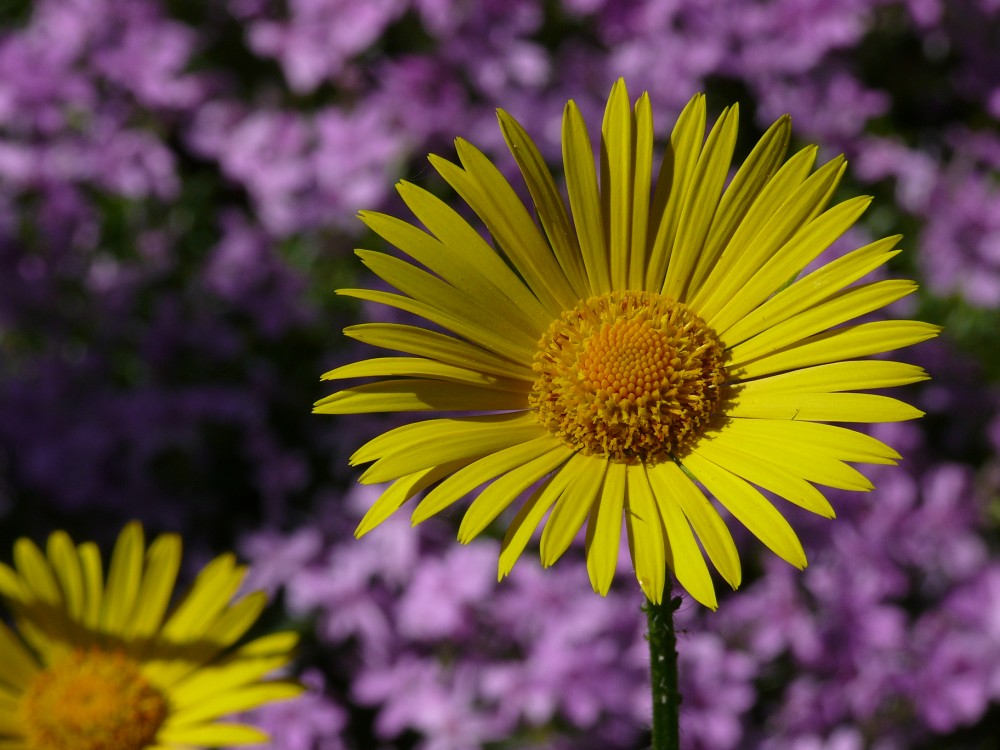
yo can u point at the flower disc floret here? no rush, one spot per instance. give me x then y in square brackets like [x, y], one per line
[630, 375]
[92, 700]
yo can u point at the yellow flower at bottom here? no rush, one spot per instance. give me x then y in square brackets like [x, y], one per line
[107, 668]
[649, 348]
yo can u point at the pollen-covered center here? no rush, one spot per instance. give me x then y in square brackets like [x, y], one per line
[91, 700]
[630, 375]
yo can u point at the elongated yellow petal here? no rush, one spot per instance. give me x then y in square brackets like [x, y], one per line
[524, 524]
[815, 287]
[124, 577]
[853, 375]
[37, 574]
[750, 508]
[825, 407]
[808, 461]
[674, 489]
[845, 305]
[746, 185]
[489, 194]
[847, 342]
[419, 367]
[406, 436]
[782, 268]
[585, 199]
[642, 174]
[758, 234]
[400, 491]
[617, 161]
[646, 537]
[701, 202]
[472, 443]
[572, 507]
[771, 476]
[430, 290]
[672, 185]
[687, 559]
[548, 202]
[604, 529]
[439, 346]
[840, 442]
[418, 394]
[66, 566]
[162, 563]
[212, 735]
[19, 666]
[490, 466]
[449, 227]
[498, 344]
[475, 270]
[492, 501]
[783, 248]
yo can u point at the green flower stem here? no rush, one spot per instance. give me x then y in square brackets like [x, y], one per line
[663, 671]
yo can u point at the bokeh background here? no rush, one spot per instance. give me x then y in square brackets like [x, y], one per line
[178, 184]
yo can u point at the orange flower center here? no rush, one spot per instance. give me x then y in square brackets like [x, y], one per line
[91, 700]
[630, 375]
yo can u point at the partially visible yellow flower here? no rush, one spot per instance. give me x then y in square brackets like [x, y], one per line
[646, 348]
[103, 666]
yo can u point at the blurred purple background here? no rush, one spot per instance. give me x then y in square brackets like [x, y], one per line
[178, 181]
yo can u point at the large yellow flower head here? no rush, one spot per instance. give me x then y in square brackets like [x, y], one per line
[649, 348]
[105, 667]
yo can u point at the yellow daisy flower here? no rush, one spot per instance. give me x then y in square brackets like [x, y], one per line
[646, 349]
[105, 668]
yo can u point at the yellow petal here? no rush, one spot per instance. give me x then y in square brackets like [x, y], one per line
[843, 343]
[701, 202]
[530, 514]
[616, 181]
[740, 195]
[498, 343]
[66, 566]
[604, 529]
[500, 494]
[474, 269]
[673, 488]
[419, 367]
[642, 124]
[472, 443]
[489, 194]
[770, 476]
[466, 479]
[455, 232]
[572, 507]
[768, 439]
[687, 560]
[211, 735]
[415, 434]
[815, 287]
[548, 203]
[436, 293]
[824, 407]
[852, 375]
[765, 227]
[163, 559]
[673, 183]
[124, 574]
[439, 346]
[400, 491]
[646, 540]
[750, 508]
[585, 198]
[419, 394]
[842, 306]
